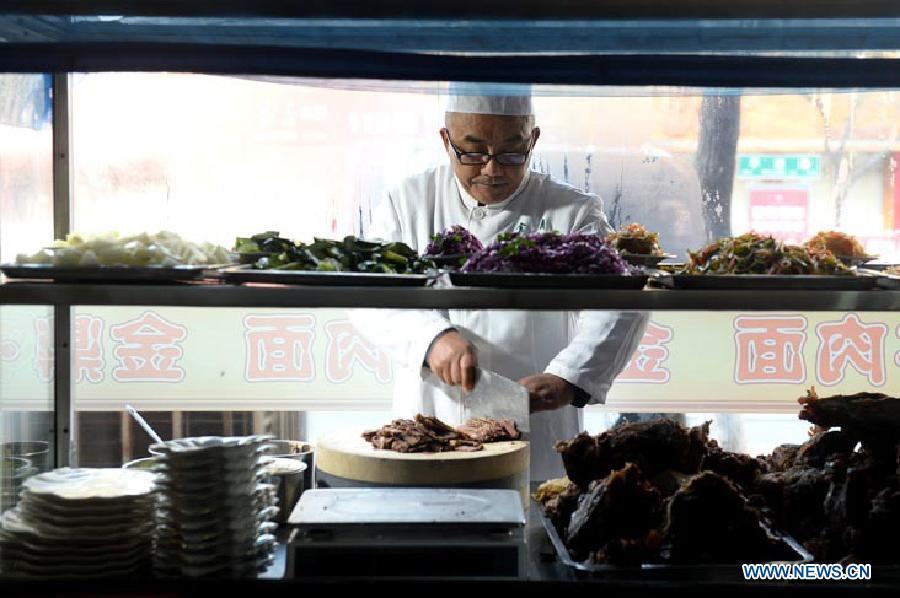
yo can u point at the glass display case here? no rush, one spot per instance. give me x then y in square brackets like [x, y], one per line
[215, 121]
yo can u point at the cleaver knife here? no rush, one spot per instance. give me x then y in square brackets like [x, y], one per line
[496, 397]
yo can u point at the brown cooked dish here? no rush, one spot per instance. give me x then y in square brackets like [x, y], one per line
[840, 244]
[427, 434]
[657, 492]
[634, 238]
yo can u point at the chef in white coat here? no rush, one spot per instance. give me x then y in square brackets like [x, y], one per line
[564, 359]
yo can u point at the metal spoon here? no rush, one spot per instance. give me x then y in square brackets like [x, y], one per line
[142, 423]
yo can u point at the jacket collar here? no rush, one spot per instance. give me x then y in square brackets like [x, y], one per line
[471, 203]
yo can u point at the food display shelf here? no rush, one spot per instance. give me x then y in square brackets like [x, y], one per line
[226, 295]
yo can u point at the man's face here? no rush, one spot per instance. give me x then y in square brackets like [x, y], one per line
[492, 134]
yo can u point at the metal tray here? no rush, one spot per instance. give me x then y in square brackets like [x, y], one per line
[123, 274]
[250, 258]
[775, 282]
[855, 260]
[643, 259]
[314, 277]
[885, 280]
[549, 281]
[878, 265]
[705, 571]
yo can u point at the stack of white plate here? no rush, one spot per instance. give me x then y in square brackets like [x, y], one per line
[213, 509]
[80, 523]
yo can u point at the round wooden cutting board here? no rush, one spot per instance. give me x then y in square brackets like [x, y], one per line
[347, 455]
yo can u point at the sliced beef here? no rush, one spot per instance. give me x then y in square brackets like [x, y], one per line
[484, 429]
[422, 435]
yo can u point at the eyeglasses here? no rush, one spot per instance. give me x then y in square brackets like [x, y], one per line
[481, 158]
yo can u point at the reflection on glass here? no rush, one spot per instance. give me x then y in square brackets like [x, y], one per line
[314, 158]
[26, 216]
[26, 397]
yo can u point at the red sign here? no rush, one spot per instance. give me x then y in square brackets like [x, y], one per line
[782, 213]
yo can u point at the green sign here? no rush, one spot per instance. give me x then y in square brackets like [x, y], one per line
[756, 166]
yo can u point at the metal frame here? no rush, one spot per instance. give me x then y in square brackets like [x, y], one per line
[223, 295]
[62, 310]
[460, 9]
[486, 36]
[681, 70]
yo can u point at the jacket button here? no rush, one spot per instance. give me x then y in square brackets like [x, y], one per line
[478, 213]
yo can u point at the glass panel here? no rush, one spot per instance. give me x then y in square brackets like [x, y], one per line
[751, 433]
[198, 372]
[258, 157]
[26, 396]
[310, 158]
[26, 145]
[26, 332]
[300, 374]
[315, 158]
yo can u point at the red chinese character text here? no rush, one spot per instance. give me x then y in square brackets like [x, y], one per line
[769, 349]
[346, 347]
[646, 363]
[43, 349]
[88, 344]
[147, 350]
[849, 341]
[279, 348]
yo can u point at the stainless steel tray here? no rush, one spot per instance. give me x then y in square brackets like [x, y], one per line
[548, 281]
[124, 274]
[240, 275]
[887, 281]
[643, 259]
[877, 265]
[705, 571]
[765, 282]
[856, 260]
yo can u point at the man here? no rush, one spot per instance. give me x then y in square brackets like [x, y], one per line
[565, 360]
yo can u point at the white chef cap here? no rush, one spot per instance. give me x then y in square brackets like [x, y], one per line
[489, 98]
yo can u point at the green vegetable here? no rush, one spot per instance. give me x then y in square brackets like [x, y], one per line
[242, 245]
[329, 265]
[350, 254]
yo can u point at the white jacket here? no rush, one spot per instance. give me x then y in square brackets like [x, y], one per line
[588, 349]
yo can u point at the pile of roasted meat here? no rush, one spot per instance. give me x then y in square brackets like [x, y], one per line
[657, 492]
[838, 493]
[652, 492]
[430, 435]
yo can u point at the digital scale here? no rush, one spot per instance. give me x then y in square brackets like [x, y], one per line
[407, 532]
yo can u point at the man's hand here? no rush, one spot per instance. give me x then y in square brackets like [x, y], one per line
[547, 392]
[453, 359]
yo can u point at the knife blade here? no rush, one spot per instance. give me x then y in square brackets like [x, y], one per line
[497, 397]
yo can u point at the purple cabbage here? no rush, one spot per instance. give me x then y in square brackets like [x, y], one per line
[456, 240]
[549, 253]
